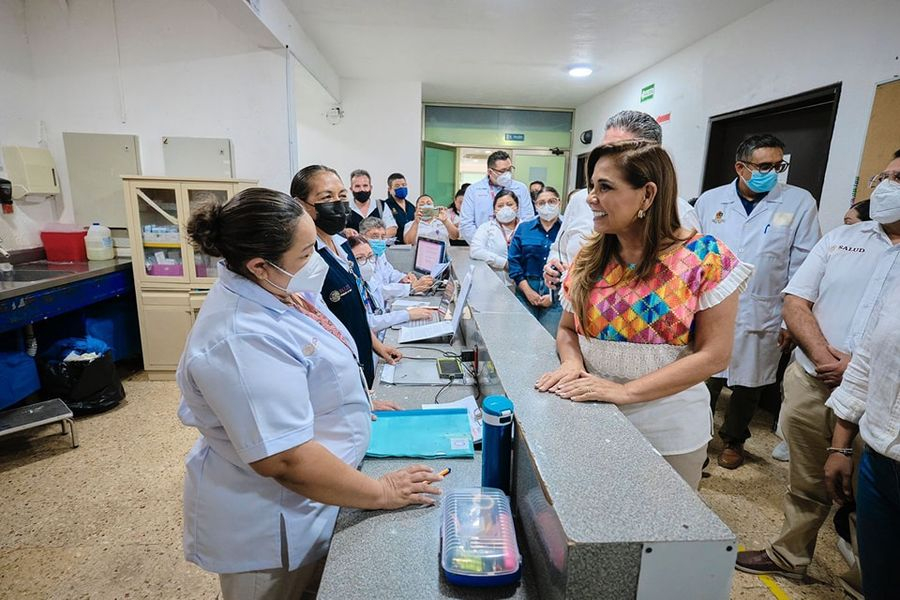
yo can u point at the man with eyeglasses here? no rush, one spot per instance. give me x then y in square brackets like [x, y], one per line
[478, 203]
[826, 306]
[772, 226]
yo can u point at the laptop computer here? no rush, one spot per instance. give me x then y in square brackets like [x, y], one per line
[442, 312]
[443, 330]
[429, 253]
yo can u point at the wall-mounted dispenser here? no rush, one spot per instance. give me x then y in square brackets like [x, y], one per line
[31, 171]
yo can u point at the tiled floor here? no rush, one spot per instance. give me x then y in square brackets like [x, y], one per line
[104, 520]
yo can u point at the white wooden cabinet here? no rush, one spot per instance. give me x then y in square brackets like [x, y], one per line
[171, 277]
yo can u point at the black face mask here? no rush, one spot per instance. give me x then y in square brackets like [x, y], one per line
[362, 196]
[331, 217]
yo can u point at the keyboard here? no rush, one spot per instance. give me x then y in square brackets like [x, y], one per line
[436, 317]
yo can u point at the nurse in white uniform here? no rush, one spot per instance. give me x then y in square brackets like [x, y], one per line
[272, 382]
[773, 226]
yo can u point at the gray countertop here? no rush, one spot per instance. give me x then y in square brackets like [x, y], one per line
[68, 273]
[395, 554]
[591, 491]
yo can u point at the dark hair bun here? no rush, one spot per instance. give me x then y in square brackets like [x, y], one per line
[204, 228]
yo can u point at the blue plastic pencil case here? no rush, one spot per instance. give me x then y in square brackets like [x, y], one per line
[478, 545]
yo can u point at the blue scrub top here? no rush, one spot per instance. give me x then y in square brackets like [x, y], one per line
[257, 378]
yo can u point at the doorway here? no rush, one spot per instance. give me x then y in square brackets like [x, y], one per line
[804, 123]
[447, 168]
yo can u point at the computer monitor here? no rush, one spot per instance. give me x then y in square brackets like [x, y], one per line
[429, 252]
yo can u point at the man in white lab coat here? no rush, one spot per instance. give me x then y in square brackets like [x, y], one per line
[578, 223]
[773, 226]
[478, 202]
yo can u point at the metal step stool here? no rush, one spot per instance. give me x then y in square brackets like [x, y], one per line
[36, 415]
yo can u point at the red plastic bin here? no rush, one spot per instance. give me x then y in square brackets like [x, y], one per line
[64, 246]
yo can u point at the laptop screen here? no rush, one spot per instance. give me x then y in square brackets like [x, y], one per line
[428, 254]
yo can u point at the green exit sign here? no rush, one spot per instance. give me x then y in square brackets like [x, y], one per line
[514, 137]
[647, 92]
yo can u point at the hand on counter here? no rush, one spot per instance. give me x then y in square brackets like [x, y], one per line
[408, 486]
[590, 388]
[550, 382]
[390, 354]
[383, 405]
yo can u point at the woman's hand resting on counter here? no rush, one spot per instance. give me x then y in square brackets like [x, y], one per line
[572, 382]
[408, 486]
[590, 388]
[567, 371]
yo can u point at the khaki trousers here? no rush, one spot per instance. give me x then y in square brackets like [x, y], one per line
[807, 425]
[270, 584]
[689, 466]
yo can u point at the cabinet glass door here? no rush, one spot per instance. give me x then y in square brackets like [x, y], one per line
[203, 267]
[158, 224]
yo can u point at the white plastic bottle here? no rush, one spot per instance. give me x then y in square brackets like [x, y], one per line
[98, 243]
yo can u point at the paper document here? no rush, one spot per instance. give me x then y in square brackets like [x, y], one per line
[438, 269]
[403, 303]
[442, 433]
[471, 407]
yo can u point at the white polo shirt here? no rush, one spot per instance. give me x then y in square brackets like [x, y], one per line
[834, 278]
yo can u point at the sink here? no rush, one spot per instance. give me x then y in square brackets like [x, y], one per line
[31, 274]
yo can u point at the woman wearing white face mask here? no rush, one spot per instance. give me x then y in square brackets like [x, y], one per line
[379, 317]
[492, 238]
[528, 253]
[271, 380]
[430, 222]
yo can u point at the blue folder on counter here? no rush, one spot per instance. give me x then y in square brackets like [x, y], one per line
[437, 433]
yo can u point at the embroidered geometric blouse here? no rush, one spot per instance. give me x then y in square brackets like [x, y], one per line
[660, 309]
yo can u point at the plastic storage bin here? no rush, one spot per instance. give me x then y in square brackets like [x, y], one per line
[64, 244]
[478, 546]
[165, 270]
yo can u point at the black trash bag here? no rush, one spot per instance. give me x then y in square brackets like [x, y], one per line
[87, 387]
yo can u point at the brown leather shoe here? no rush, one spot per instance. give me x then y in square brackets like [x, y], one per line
[732, 456]
[758, 562]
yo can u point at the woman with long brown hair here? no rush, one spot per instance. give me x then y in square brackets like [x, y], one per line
[649, 307]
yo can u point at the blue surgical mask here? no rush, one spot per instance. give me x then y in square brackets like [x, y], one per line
[761, 183]
[401, 192]
[378, 247]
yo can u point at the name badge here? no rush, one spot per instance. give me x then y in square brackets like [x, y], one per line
[336, 295]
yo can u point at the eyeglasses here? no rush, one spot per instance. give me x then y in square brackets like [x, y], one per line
[779, 167]
[892, 175]
[362, 260]
[511, 169]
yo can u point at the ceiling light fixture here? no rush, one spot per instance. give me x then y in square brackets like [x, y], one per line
[580, 71]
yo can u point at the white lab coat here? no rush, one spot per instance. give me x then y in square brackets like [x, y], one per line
[776, 238]
[490, 244]
[579, 224]
[478, 206]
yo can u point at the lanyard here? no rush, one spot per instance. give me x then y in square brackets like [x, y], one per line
[506, 238]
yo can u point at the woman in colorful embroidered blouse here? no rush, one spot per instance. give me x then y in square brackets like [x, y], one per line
[649, 307]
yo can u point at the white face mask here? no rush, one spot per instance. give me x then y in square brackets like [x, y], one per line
[884, 203]
[367, 271]
[308, 279]
[548, 212]
[504, 179]
[507, 214]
